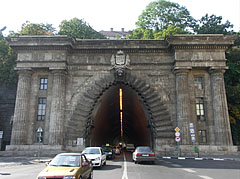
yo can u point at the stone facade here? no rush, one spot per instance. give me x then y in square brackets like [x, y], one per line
[161, 75]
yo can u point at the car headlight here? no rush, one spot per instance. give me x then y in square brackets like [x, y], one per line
[41, 177]
[98, 158]
[69, 177]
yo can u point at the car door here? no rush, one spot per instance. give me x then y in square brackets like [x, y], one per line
[85, 164]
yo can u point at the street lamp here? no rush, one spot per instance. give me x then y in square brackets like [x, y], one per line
[39, 138]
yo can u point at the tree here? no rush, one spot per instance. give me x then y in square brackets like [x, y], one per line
[212, 25]
[36, 29]
[232, 83]
[78, 28]
[171, 30]
[7, 63]
[159, 15]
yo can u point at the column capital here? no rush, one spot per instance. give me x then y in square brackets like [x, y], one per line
[214, 70]
[181, 69]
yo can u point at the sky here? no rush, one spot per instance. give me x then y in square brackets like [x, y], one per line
[104, 14]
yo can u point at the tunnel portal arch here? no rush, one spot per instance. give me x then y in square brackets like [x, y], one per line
[158, 117]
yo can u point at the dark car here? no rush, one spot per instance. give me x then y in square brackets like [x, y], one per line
[109, 151]
[143, 154]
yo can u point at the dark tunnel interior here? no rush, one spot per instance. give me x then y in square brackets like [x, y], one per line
[107, 125]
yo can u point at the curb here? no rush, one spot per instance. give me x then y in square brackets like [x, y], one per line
[199, 158]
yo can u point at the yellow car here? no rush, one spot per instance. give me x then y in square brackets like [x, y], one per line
[68, 166]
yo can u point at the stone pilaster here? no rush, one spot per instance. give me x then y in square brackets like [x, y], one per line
[220, 109]
[182, 104]
[56, 125]
[21, 114]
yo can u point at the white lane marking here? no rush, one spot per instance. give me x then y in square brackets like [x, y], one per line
[205, 177]
[189, 170]
[125, 167]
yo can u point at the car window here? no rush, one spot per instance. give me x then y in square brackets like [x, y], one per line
[66, 161]
[144, 149]
[91, 151]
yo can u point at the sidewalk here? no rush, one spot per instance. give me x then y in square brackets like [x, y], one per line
[10, 161]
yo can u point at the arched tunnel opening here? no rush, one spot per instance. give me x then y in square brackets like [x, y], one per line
[107, 119]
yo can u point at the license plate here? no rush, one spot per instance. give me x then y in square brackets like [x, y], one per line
[145, 155]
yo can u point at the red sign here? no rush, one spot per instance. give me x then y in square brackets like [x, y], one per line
[177, 139]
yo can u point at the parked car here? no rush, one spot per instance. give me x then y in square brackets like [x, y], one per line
[143, 154]
[69, 166]
[96, 155]
[130, 147]
[109, 151]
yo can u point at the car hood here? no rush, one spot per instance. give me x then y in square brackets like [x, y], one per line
[92, 156]
[58, 171]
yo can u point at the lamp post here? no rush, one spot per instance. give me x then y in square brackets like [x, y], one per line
[39, 137]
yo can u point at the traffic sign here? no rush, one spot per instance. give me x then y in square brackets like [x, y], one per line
[177, 139]
[177, 134]
[177, 129]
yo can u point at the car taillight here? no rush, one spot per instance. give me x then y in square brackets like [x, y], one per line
[151, 155]
[138, 155]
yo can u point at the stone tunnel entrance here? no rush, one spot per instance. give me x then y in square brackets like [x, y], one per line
[114, 124]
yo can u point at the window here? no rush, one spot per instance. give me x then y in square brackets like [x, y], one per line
[43, 83]
[41, 109]
[200, 109]
[199, 83]
[39, 135]
[202, 137]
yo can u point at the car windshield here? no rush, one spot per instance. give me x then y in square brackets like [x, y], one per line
[91, 151]
[144, 149]
[107, 149]
[66, 161]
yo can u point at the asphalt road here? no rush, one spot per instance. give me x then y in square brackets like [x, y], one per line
[123, 168]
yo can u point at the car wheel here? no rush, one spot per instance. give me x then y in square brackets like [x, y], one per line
[90, 175]
[135, 162]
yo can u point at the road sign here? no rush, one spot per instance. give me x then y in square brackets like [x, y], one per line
[177, 129]
[177, 134]
[177, 139]
[192, 132]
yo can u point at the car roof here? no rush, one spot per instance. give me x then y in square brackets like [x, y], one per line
[70, 154]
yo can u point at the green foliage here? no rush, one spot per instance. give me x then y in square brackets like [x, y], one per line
[171, 30]
[232, 83]
[212, 25]
[37, 29]
[7, 63]
[78, 28]
[161, 14]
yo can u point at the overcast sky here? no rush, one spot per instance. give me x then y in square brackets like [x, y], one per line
[104, 14]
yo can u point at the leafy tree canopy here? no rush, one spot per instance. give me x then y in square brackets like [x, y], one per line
[78, 28]
[36, 29]
[171, 30]
[161, 14]
[212, 25]
[7, 62]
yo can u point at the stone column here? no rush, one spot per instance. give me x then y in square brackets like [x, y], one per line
[21, 113]
[57, 108]
[220, 110]
[182, 104]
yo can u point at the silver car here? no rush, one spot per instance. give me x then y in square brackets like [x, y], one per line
[143, 154]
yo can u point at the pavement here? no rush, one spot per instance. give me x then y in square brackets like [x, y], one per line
[11, 161]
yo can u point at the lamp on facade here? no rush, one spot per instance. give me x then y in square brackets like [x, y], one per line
[39, 138]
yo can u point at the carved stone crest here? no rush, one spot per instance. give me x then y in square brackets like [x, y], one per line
[120, 60]
[119, 63]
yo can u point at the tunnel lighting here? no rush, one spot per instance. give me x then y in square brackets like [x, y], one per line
[121, 124]
[121, 113]
[120, 96]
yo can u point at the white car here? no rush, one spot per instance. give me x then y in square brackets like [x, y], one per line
[96, 155]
